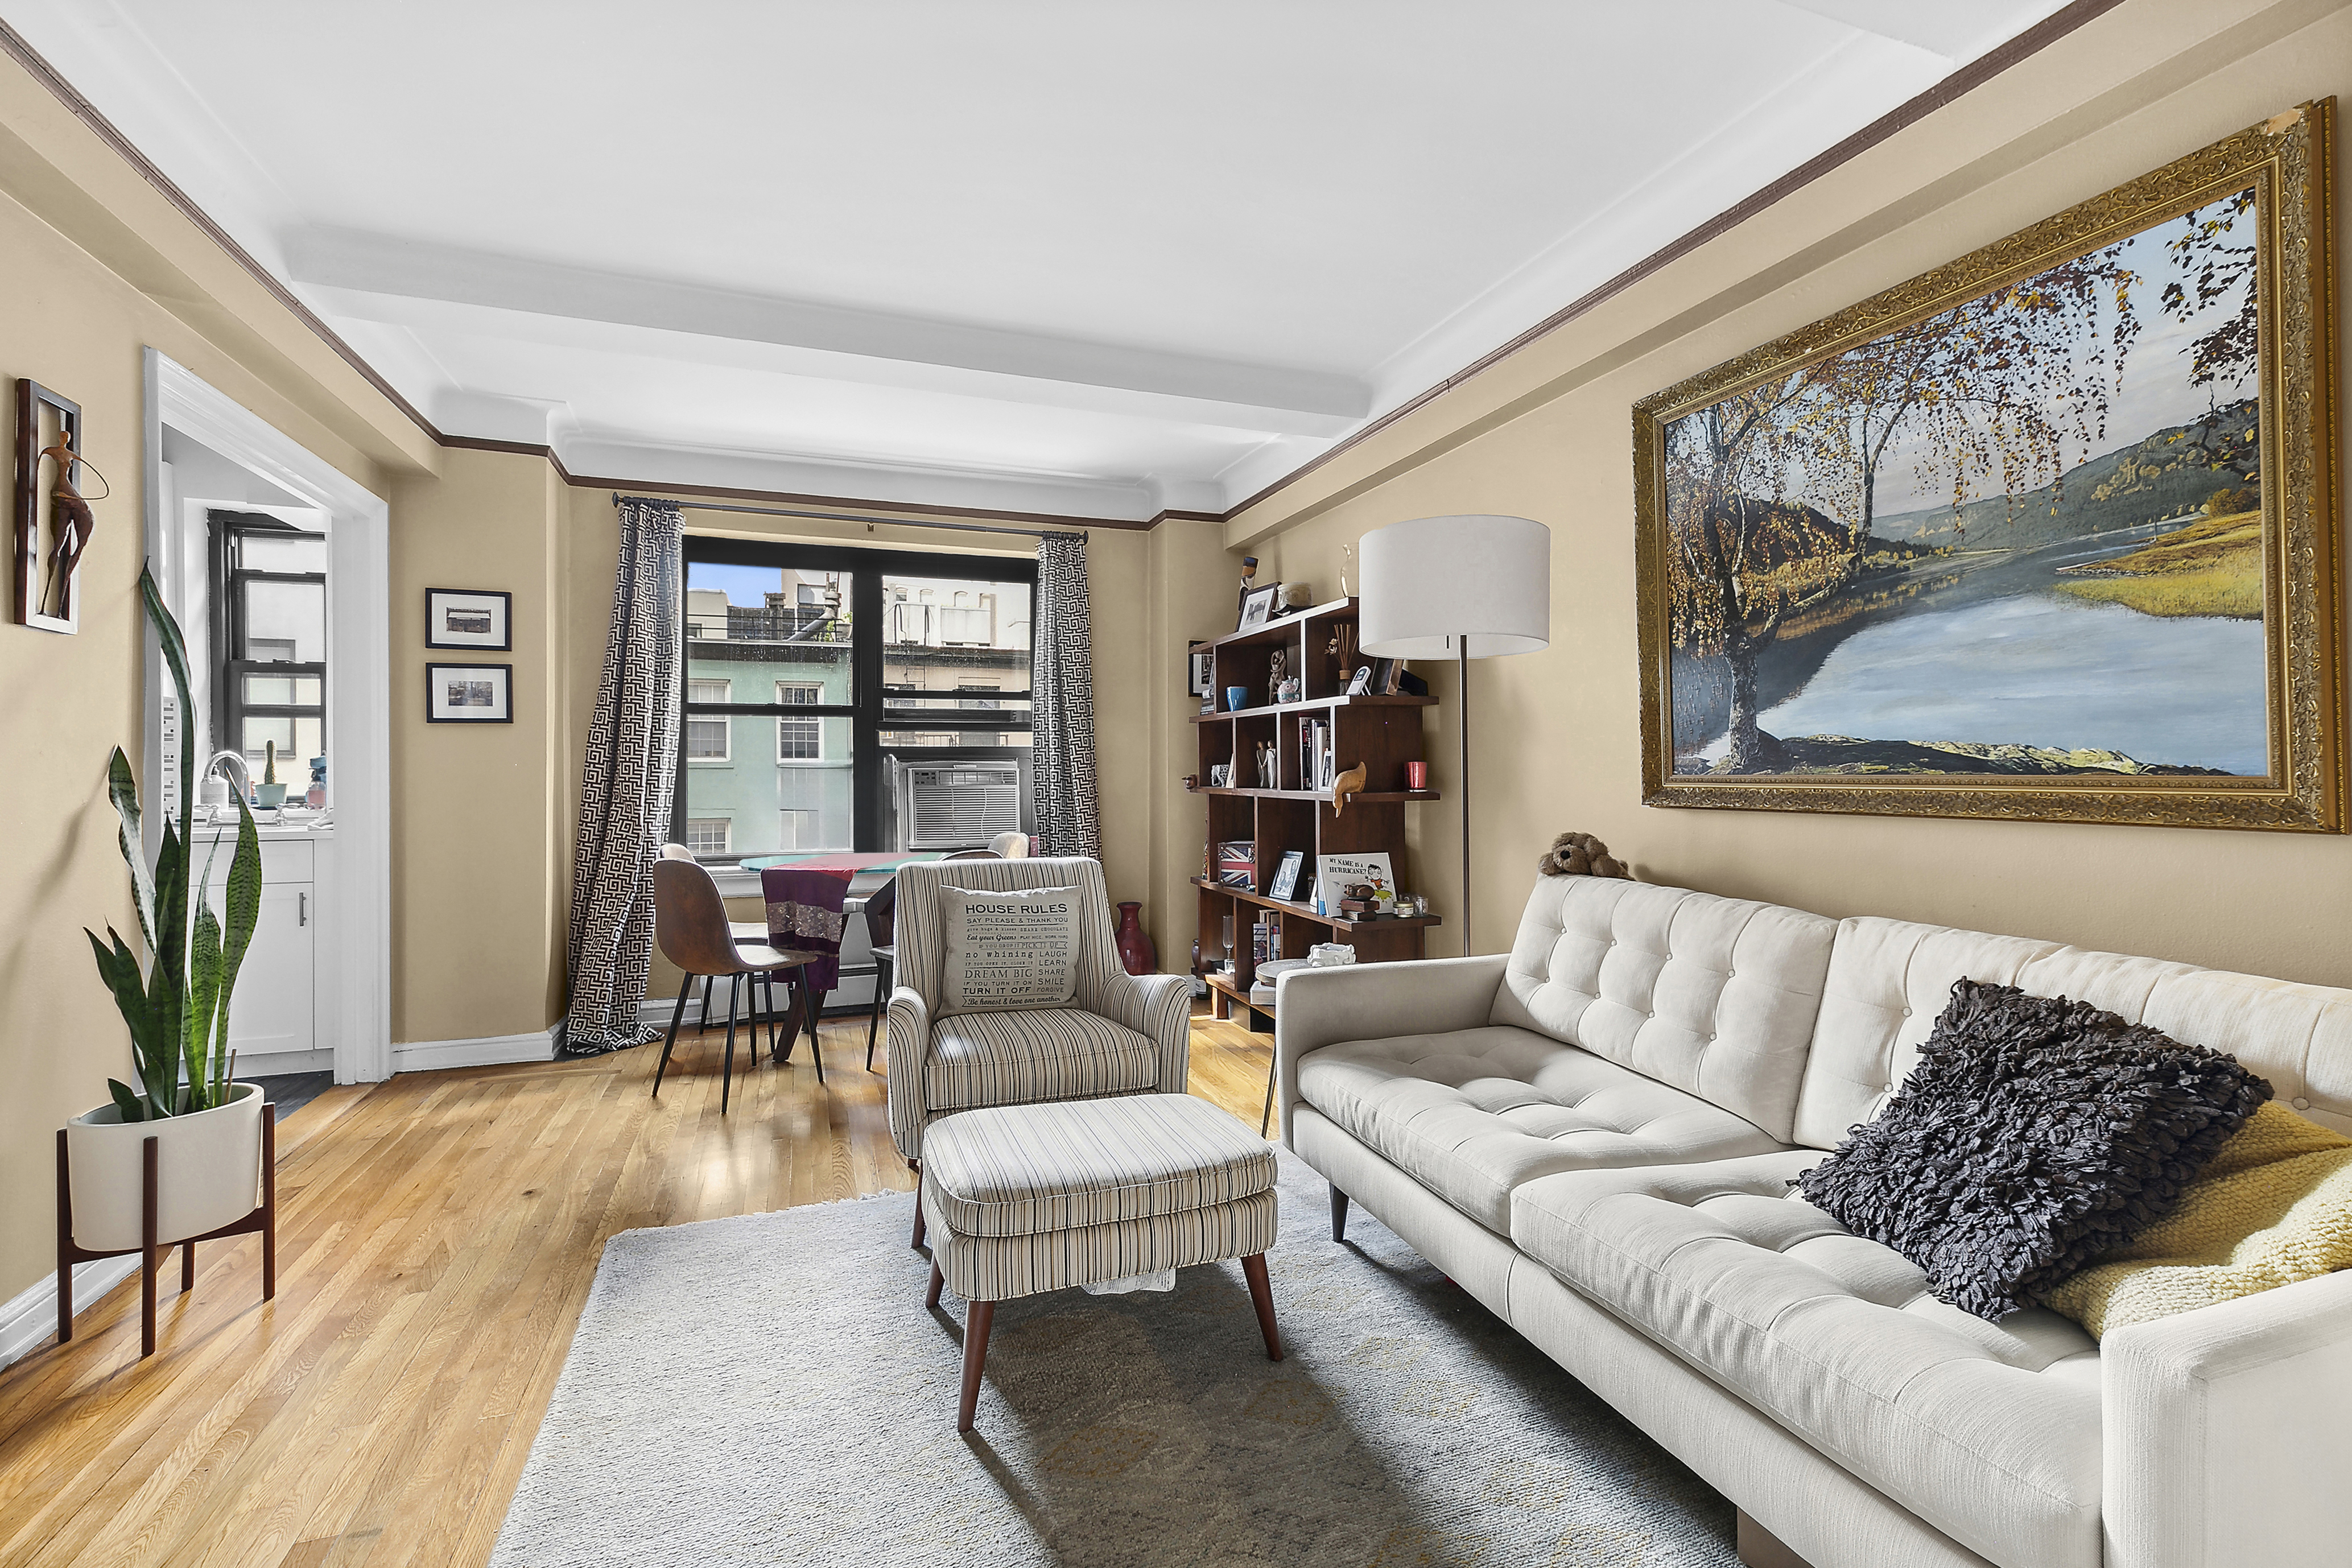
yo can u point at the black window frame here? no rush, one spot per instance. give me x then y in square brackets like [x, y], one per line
[868, 709]
[228, 530]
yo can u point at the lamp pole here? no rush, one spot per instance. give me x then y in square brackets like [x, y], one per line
[1462, 729]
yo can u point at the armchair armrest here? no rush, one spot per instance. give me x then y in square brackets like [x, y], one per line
[2227, 1431]
[1318, 1007]
[1159, 1005]
[911, 1047]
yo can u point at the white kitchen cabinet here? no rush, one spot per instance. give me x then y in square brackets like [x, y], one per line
[273, 1013]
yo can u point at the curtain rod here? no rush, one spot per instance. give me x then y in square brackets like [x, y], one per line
[854, 516]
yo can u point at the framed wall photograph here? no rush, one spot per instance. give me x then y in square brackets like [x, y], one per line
[469, 617]
[469, 694]
[2048, 532]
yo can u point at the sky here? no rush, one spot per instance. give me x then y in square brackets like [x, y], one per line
[2155, 392]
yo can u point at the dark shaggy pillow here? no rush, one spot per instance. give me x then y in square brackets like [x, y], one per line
[2035, 1134]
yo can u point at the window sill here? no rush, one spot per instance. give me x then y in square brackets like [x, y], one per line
[735, 883]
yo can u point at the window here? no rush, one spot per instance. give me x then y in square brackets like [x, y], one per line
[799, 740]
[269, 613]
[875, 666]
[707, 734]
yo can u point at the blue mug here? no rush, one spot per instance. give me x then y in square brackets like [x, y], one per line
[1236, 698]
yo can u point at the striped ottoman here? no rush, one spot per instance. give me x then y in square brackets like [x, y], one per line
[1021, 1199]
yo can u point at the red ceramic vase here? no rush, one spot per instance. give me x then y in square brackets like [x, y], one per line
[1135, 948]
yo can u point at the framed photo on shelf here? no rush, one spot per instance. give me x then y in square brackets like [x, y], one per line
[1203, 664]
[469, 694]
[1285, 884]
[1257, 605]
[469, 617]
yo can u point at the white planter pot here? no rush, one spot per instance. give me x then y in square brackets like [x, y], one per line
[208, 1171]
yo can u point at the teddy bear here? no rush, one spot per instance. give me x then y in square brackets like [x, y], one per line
[1580, 855]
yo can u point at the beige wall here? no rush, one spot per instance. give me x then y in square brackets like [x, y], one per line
[1546, 435]
[477, 945]
[77, 325]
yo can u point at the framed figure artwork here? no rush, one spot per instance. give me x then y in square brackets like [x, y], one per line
[469, 617]
[2048, 532]
[469, 694]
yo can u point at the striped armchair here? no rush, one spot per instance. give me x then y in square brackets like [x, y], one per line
[1121, 1034]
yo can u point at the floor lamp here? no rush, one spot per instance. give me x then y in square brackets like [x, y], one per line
[1459, 588]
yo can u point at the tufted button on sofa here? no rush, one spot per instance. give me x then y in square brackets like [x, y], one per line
[1597, 1136]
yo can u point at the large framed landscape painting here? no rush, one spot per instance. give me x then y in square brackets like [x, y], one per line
[2048, 532]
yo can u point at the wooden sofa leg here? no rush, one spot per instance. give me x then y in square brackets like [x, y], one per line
[1338, 1214]
[1760, 1548]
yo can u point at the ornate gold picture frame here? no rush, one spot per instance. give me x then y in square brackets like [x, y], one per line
[2049, 532]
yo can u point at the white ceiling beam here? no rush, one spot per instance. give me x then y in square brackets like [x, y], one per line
[374, 278]
[1956, 30]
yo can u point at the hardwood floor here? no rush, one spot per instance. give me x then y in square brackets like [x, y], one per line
[437, 1237]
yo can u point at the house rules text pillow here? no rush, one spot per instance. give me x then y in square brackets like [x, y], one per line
[1007, 951]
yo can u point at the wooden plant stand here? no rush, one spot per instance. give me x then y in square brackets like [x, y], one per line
[150, 1250]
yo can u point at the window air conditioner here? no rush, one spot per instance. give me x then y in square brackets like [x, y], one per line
[961, 806]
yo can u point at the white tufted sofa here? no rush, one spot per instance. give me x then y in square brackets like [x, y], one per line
[1595, 1136]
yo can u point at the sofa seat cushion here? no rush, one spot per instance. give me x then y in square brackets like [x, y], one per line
[1988, 1431]
[1473, 1113]
[1046, 1053]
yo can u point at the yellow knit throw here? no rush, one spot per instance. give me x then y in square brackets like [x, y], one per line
[2272, 1207]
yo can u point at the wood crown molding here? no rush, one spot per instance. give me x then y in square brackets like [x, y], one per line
[1969, 78]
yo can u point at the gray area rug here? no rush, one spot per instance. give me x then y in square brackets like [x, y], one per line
[768, 1389]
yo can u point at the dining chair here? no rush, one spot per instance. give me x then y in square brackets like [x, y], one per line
[691, 926]
[741, 930]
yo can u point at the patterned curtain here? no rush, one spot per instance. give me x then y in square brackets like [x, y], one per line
[1062, 683]
[627, 779]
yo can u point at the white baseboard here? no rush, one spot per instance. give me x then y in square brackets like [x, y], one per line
[31, 1317]
[494, 1050]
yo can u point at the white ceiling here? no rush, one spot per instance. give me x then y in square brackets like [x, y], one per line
[1046, 255]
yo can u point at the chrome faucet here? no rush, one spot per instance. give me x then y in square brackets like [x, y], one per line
[242, 778]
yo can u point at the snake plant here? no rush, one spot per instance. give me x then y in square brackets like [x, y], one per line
[177, 1011]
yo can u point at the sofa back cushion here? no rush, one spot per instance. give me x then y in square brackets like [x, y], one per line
[1888, 980]
[1714, 996]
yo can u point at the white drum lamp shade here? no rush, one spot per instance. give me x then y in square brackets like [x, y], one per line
[1473, 586]
[1483, 579]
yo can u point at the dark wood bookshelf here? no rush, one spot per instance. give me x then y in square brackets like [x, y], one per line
[1382, 731]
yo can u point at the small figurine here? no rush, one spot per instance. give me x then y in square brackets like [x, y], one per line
[78, 523]
[1346, 785]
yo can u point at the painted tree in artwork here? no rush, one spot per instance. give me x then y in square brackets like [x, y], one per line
[2030, 371]
[2215, 270]
[1855, 404]
[1740, 554]
[1991, 391]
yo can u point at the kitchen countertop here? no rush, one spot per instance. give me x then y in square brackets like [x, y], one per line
[268, 831]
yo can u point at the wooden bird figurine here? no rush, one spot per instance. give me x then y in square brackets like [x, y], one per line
[1346, 785]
